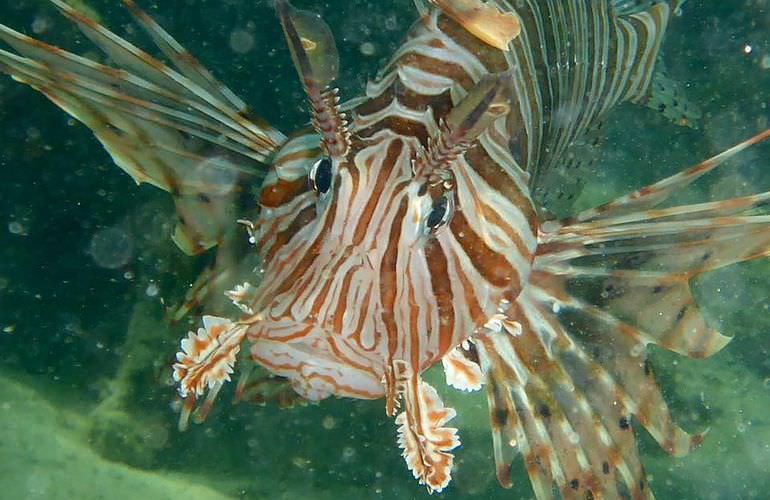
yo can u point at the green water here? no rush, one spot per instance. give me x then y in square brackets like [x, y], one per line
[86, 400]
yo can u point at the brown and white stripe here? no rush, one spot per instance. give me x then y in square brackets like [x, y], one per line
[374, 267]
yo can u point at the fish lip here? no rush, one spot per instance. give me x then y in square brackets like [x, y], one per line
[308, 358]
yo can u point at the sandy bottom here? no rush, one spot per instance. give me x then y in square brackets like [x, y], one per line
[44, 454]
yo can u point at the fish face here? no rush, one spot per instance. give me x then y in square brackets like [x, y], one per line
[370, 259]
[380, 244]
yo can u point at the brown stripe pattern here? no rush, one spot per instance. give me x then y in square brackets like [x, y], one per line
[372, 271]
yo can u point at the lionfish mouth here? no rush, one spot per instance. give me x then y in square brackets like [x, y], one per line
[318, 362]
[311, 347]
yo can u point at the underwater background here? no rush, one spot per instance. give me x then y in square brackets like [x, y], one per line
[87, 271]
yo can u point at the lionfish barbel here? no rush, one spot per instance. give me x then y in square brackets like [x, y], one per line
[407, 227]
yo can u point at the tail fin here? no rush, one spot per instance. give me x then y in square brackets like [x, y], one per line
[568, 372]
[178, 129]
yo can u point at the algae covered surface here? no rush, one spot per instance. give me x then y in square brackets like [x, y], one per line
[45, 454]
[87, 272]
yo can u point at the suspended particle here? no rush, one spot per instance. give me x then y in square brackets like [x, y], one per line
[367, 49]
[111, 248]
[241, 41]
[15, 227]
[152, 290]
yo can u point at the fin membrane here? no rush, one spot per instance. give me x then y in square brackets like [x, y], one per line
[568, 374]
[667, 97]
[178, 129]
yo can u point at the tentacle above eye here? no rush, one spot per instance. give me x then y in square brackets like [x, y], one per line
[484, 104]
[316, 59]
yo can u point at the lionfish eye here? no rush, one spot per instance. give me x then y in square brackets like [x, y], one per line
[440, 213]
[321, 175]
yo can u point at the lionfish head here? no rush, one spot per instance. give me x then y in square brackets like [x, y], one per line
[367, 237]
[382, 249]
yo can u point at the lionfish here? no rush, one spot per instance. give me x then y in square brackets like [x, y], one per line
[409, 227]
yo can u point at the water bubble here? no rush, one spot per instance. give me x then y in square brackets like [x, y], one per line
[33, 134]
[41, 24]
[637, 350]
[367, 49]
[15, 227]
[152, 290]
[241, 41]
[348, 454]
[111, 248]
[329, 423]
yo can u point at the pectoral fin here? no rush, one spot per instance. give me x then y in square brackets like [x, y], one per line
[426, 443]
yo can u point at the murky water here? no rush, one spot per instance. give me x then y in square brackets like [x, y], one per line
[87, 271]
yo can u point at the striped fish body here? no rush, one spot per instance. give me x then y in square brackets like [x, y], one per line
[411, 228]
[382, 272]
[347, 266]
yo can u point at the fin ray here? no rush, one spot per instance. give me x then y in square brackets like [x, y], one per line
[183, 132]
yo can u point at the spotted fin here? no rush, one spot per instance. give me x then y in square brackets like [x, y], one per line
[176, 128]
[540, 411]
[638, 261]
[559, 153]
[563, 388]
[567, 375]
[560, 187]
[667, 97]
